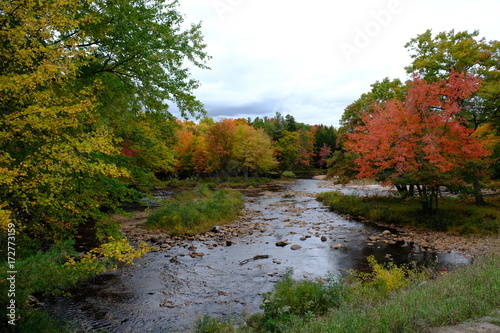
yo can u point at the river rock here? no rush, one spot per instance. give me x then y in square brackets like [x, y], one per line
[282, 243]
[386, 232]
[323, 238]
[295, 247]
[260, 256]
[336, 246]
[196, 254]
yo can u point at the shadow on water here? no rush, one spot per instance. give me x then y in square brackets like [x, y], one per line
[166, 290]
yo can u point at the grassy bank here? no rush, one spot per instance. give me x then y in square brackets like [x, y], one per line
[196, 211]
[468, 293]
[232, 182]
[375, 303]
[455, 215]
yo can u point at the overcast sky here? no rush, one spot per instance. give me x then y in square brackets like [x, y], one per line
[312, 58]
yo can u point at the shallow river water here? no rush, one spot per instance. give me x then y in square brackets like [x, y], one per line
[167, 291]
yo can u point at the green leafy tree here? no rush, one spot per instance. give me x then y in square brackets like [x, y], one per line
[84, 89]
[56, 155]
[139, 49]
[325, 143]
[434, 57]
[288, 150]
[381, 91]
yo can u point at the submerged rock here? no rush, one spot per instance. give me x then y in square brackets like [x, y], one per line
[282, 243]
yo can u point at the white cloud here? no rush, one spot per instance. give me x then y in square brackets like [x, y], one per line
[288, 56]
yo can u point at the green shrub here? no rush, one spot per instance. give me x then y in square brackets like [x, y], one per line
[214, 325]
[193, 212]
[291, 300]
[288, 175]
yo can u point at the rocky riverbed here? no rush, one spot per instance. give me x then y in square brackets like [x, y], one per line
[225, 271]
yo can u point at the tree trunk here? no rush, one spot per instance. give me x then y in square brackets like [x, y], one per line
[245, 173]
[479, 195]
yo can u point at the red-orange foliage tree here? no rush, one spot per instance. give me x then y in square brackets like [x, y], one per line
[324, 153]
[419, 142]
[220, 140]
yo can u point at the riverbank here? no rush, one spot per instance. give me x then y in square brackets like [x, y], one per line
[470, 245]
[445, 242]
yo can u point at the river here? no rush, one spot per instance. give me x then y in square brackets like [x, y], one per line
[165, 291]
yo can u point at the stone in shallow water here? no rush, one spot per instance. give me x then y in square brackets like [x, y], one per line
[296, 247]
[282, 243]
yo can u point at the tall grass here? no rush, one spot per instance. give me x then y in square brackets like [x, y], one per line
[376, 304]
[468, 293]
[456, 215]
[194, 212]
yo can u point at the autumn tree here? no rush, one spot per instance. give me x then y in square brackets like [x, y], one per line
[84, 90]
[324, 154]
[288, 150]
[380, 91]
[420, 141]
[56, 156]
[253, 150]
[220, 140]
[306, 144]
[436, 56]
[325, 143]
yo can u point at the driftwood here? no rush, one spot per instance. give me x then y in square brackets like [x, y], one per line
[257, 257]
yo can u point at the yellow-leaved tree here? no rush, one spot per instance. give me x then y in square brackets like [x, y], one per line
[54, 152]
[84, 86]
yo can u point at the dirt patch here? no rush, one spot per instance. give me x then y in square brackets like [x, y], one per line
[488, 324]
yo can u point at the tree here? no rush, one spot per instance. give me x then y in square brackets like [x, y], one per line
[421, 141]
[381, 91]
[434, 57]
[139, 49]
[84, 89]
[253, 150]
[325, 137]
[220, 139]
[288, 150]
[57, 157]
[324, 154]
[306, 144]
[291, 124]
